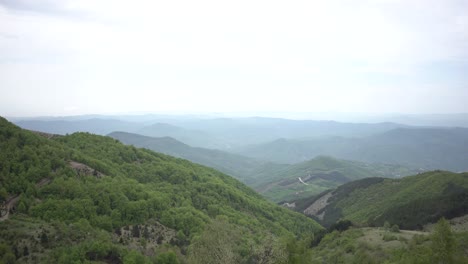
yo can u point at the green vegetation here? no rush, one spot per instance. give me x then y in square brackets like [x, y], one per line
[319, 174]
[374, 245]
[242, 168]
[443, 243]
[409, 202]
[277, 182]
[84, 197]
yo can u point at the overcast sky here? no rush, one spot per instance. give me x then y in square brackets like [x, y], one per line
[63, 57]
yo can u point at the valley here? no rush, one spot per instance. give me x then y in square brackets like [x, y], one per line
[153, 204]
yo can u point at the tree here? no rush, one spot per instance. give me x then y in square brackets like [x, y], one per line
[270, 251]
[167, 258]
[134, 257]
[3, 194]
[215, 245]
[443, 243]
[395, 228]
[386, 225]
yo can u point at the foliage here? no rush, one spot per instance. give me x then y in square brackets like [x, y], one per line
[409, 202]
[395, 229]
[443, 243]
[124, 187]
[240, 167]
[321, 173]
[354, 246]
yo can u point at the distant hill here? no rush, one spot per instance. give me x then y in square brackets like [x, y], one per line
[93, 125]
[410, 202]
[217, 133]
[89, 198]
[237, 132]
[194, 138]
[311, 177]
[428, 148]
[240, 167]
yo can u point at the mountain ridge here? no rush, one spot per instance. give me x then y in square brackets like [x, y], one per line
[107, 201]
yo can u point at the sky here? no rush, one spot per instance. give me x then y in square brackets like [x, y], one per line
[64, 57]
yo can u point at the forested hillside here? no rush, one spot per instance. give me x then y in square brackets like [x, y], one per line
[242, 168]
[409, 202]
[305, 179]
[84, 197]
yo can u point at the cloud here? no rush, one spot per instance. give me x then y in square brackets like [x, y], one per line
[323, 52]
[44, 7]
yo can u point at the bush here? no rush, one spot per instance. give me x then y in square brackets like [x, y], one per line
[349, 248]
[389, 237]
[341, 225]
[395, 229]
[402, 239]
[386, 225]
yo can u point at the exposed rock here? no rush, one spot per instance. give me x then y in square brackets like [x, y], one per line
[315, 208]
[84, 170]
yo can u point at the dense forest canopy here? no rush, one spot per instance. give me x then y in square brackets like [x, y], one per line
[84, 179]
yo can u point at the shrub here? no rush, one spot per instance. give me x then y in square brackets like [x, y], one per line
[395, 229]
[389, 237]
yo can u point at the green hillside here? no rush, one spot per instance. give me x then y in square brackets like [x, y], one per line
[277, 182]
[240, 167]
[317, 175]
[410, 202]
[85, 198]
[383, 245]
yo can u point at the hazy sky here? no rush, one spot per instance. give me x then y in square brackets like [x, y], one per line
[63, 57]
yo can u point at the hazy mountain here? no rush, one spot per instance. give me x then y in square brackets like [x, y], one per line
[93, 125]
[240, 167]
[443, 120]
[195, 138]
[311, 177]
[217, 133]
[428, 148]
[243, 131]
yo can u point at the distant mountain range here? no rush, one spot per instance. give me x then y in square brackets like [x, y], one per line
[242, 168]
[277, 182]
[190, 137]
[428, 148]
[220, 133]
[93, 125]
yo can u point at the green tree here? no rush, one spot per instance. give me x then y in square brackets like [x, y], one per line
[395, 228]
[443, 243]
[386, 225]
[3, 194]
[134, 257]
[167, 258]
[215, 245]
